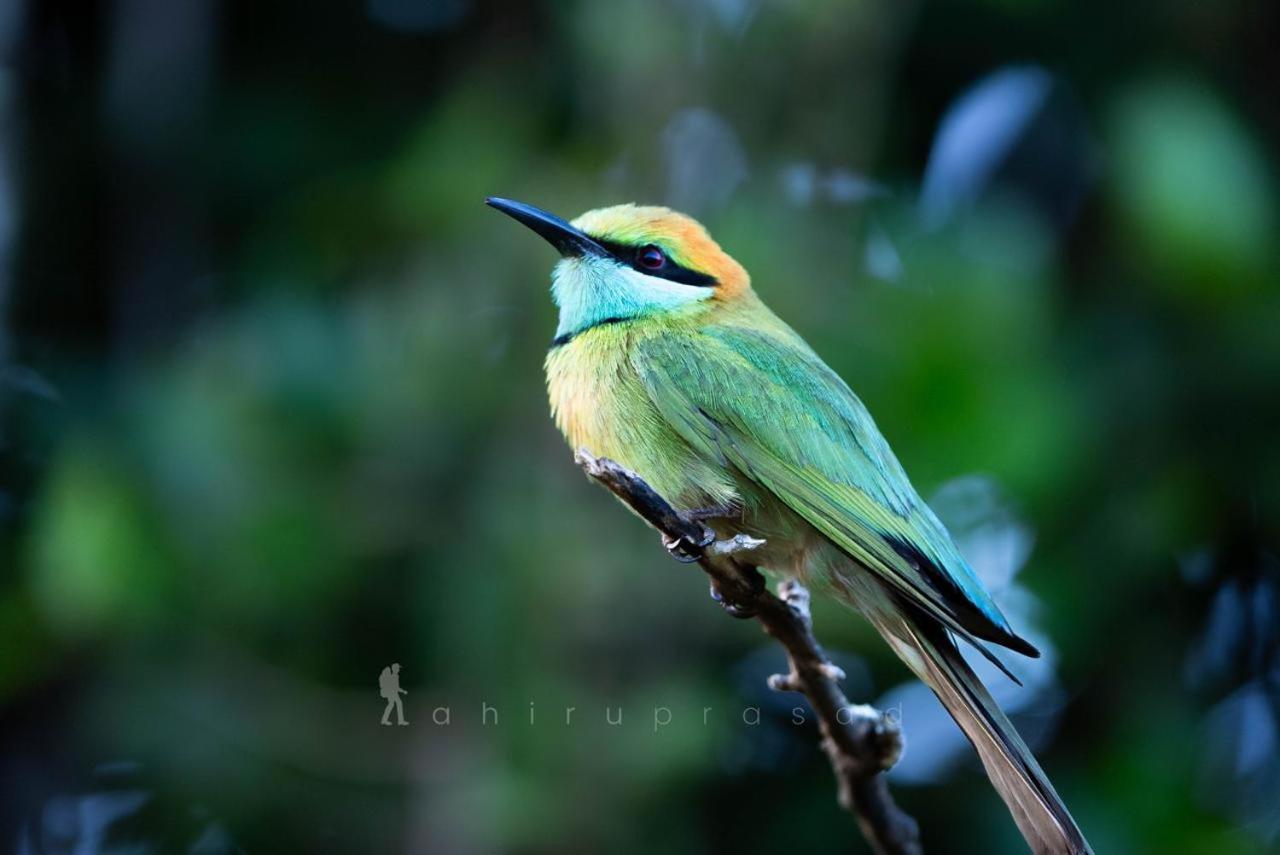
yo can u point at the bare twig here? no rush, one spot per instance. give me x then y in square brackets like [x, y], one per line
[860, 741]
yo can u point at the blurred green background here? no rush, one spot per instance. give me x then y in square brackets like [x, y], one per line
[273, 415]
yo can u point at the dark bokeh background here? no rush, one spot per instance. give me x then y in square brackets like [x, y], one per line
[273, 413]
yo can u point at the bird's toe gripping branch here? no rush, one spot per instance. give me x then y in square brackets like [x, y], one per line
[738, 600]
[684, 551]
[733, 609]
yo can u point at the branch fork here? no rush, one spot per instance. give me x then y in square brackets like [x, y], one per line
[859, 740]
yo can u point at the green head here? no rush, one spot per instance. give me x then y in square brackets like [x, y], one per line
[629, 261]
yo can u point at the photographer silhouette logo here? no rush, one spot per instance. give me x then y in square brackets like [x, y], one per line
[389, 687]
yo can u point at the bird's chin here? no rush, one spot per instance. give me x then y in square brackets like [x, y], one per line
[577, 280]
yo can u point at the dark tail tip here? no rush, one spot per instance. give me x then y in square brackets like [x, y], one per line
[1018, 644]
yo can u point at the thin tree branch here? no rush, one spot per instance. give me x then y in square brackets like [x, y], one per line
[860, 741]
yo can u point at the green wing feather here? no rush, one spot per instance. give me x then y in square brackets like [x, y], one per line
[766, 404]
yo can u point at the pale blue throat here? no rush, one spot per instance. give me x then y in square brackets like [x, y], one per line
[592, 291]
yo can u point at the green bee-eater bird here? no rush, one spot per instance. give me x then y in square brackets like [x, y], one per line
[666, 361]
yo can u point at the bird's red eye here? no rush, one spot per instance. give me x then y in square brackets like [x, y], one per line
[651, 257]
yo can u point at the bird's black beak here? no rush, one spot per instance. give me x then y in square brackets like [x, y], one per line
[570, 242]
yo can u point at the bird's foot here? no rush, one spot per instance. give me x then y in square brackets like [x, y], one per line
[742, 606]
[685, 551]
[733, 609]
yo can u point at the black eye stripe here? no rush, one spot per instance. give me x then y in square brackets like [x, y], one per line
[629, 255]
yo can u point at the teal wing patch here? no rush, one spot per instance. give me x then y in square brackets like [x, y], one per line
[768, 406]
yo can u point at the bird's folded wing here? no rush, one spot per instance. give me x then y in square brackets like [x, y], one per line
[767, 405]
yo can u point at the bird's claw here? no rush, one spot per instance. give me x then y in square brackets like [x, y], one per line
[732, 609]
[679, 547]
[686, 550]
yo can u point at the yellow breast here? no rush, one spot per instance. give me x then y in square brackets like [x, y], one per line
[599, 404]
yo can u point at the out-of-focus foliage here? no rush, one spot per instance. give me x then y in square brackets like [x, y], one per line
[273, 413]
